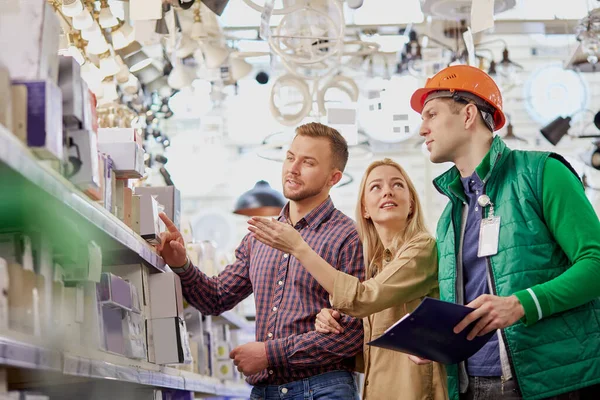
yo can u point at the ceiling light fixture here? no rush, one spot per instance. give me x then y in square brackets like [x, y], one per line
[71, 8]
[122, 36]
[262, 200]
[106, 18]
[108, 64]
[83, 20]
[198, 31]
[97, 45]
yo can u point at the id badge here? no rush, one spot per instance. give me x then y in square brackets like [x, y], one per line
[489, 234]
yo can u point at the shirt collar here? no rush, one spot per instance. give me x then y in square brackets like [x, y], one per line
[314, 217]
[471, 183]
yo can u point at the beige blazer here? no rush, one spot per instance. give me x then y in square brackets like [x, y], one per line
[398, 286]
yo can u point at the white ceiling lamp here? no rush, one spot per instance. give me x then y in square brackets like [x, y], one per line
[132, 85]
[71, 8]
[123, 36]
[91, 74]
[214, 56]
[108, 64]
[97, 45]
[180, 76]
[198, 31]
[239, 67]
[140, 65]
[109, 91]
[92, 32]
[186, 47]
[301, 86]
[83, 20]
[73, 50]
[106, 18]
[123, 74]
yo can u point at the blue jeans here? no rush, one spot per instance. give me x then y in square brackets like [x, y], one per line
[336, 385]
[491, 388]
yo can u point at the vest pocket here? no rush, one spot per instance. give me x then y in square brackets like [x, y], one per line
[582, 321]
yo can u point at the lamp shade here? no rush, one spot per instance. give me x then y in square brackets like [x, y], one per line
[262, 200]
[556, 129]
[592, 157]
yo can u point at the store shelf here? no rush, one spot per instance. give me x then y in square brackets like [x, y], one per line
[234, 320]
[107, 366]
[23, 355]
[19, 158]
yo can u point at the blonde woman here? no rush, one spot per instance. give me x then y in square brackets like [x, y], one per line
[401, 260]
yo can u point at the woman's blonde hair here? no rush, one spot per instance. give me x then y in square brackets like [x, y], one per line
[415, 224]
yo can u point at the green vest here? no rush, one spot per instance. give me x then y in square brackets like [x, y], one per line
[559, 353]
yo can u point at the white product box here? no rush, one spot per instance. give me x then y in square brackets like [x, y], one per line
[43, 121]
[128, 158]
[29, 40]
[166, 299]
[72, 87]
[170, 341]
[168, 196]
[149, 219]
[118, 135]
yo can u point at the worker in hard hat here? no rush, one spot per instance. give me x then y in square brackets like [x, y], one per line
[519, 242]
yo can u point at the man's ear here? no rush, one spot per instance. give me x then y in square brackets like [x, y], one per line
[471, 115]
[335, 177]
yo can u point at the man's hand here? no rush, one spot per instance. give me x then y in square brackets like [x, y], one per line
[172, 246]
[250, 358]
[278, 235]
[327, 321]
[493, 312]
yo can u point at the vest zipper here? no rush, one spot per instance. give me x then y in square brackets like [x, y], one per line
[492, 286]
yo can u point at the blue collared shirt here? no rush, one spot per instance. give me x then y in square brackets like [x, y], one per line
[486, 362]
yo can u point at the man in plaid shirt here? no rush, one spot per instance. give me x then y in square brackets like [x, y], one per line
[289, 360]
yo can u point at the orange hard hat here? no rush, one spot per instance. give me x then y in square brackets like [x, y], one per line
[463, 78]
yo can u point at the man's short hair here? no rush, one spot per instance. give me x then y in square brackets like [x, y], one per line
[339, 146]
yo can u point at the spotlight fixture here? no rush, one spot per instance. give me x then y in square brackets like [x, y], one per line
[560, 126]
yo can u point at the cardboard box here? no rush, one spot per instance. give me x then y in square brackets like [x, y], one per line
[19, 112]
[112, 319]
[90, 116]
[135, 213]
[224, 369]
[128, 158]
[110, 182]
[137, 276]
[72, 87]
[17, 248]
[44, 118]
[134, 336]
[71, 328]
[93, 324]
[21, 299]
[170, 340]
[88, 267]
[168, 196]
[127, 206]
[119, 198]
[84, 151]
[149, 219]
[119, 135]
[6, 111]
[29, 40]
[166, 299]
[4, 288]
[114, 292]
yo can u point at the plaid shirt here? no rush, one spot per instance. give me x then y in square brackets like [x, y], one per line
[288, 298]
